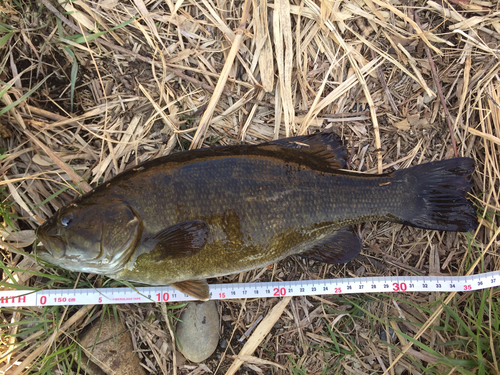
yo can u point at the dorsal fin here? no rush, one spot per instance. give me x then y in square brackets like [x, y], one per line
[320, 151]
[319, 148]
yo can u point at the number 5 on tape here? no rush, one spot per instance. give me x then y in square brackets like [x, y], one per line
[272, 289]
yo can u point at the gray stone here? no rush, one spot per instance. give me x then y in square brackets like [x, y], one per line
[198, 330]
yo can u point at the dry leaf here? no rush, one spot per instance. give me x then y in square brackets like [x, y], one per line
[284, 58]
[40, 160]
[22, 238]
[402, 125]
[182, 55]
[79, 16]
[264, 49]
[469, 23]
[109, 4]
[413, 119]
[416, 121]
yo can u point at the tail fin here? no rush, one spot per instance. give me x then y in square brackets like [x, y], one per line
[439, 195]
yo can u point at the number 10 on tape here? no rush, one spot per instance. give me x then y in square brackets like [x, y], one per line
[150, 294]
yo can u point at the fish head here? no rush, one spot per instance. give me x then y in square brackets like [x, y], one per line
[95, 238]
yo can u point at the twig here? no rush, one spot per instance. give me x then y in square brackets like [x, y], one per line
[440, 309]
[144, 58]
[467, 5]
[440, 91]
[259, 334]
[236, 325]
[61, 329]
[172, 336]
[219, 88]
[418, 29]
[381, 78]
[360, 78]
[77, 180]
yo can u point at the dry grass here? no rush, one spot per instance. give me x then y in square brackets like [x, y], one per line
[91, 88]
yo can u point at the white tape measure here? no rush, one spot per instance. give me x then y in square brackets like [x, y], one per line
[382, 284]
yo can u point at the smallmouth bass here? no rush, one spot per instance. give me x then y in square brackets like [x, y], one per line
[193, 215]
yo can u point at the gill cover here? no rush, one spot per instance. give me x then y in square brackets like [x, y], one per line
[121, 232]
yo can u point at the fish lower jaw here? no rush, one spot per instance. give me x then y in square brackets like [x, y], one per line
[77, 265]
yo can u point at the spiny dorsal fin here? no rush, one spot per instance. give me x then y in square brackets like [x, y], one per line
[319, 147]
[180, 240]
[339, 247]
[195, 288]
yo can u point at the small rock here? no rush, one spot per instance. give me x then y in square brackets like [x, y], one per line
[198, 330]
[223, 344]
[114, 352]
[383, 335]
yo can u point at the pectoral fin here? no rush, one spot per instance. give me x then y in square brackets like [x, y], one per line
[180, 240]
[339, 247]
[195, 288]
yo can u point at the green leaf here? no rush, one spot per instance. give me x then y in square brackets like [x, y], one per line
[22, 98]
[4, 28]
[91, 37]
[74, 73]
[5, 39]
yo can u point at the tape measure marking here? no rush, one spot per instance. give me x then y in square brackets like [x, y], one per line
[58, 297]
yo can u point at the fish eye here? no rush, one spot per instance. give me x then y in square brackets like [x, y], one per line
[66, 220]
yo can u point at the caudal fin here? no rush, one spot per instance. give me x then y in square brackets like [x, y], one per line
[439, 191]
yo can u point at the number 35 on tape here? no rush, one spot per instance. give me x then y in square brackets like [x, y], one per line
[150, 294]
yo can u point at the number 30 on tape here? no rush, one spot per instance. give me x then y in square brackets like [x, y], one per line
[150, 294]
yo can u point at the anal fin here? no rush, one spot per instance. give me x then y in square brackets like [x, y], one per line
[339, 247]
[195, 288]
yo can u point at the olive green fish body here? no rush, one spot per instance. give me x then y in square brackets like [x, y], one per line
[213, 212]
[254, 218]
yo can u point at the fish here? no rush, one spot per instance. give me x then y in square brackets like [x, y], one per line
[183, 218]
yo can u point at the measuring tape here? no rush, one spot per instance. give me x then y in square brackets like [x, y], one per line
[105, 296]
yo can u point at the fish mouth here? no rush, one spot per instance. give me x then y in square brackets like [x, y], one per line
[54, 247]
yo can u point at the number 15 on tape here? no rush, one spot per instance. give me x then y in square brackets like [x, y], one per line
[150, 294]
